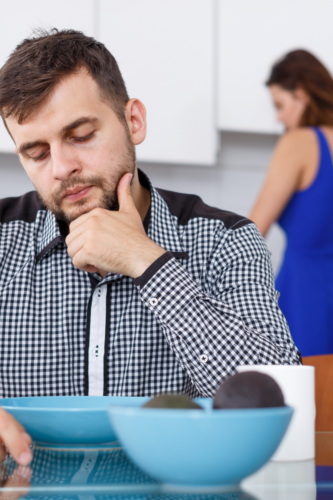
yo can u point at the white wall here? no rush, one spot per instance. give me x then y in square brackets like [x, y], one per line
[232, 184]
[252, 35]
[166, 53]
[13, 179]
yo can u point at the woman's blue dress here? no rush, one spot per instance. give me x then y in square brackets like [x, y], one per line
[305, 280]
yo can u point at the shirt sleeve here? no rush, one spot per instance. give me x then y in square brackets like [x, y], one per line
[228, 318]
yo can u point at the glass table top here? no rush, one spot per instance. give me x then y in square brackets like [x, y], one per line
[108, 473]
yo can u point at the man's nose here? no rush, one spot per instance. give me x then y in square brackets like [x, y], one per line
[64, 163]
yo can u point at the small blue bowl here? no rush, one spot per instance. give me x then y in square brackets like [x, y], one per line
[200, 448]
[68, 421]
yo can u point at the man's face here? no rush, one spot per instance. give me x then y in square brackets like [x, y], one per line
[74, 149]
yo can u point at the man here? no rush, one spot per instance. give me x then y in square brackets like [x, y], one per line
[109, 286]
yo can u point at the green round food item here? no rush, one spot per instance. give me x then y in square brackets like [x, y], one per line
[249, 390]
[172, 401]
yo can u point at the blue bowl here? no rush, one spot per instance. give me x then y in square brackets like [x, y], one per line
[200, 448]
[65, 421]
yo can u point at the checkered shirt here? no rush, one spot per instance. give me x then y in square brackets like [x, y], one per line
[206, 306]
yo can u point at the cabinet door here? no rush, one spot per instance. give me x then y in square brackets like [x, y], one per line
[252, 35]
[20, 17]
[165, 51]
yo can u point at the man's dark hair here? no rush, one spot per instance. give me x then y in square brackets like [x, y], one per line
[39, 63]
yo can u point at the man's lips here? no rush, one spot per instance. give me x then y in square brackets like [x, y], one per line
[77, 193]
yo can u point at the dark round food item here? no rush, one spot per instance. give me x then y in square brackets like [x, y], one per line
[175, 401]
[249, 390]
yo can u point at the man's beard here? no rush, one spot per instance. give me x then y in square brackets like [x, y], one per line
[108, 187]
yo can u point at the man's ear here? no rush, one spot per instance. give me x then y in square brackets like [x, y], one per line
[135, 114]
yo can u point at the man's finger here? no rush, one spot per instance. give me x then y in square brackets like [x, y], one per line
[79, 224]
[125, 200]
[77, 229]
[82, 260]
[74, 246]
[16, 440]
[80, 220]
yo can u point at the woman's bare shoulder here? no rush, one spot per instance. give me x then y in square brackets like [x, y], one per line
[299, 144]
[298, 136]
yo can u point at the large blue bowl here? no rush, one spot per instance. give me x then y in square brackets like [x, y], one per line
[200, 448]
[65, 421]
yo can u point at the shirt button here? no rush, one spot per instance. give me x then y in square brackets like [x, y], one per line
[153, 302]
[203, 358]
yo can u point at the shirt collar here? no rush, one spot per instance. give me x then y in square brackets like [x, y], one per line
[162, 226]
[50, 236]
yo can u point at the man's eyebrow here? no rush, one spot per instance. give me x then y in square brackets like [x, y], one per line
[28, 145]
[80, 121]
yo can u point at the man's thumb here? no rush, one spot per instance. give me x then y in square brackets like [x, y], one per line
[125, 199]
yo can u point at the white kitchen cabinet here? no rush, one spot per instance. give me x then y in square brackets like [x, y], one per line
[165, 51]
[252, 35]
[20, 17]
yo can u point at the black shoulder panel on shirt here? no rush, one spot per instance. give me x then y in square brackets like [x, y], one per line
[190, 206]
[23, 208]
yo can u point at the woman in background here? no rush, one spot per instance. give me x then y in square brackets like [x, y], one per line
[298, 194]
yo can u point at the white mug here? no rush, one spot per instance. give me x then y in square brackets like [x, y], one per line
[298, 387]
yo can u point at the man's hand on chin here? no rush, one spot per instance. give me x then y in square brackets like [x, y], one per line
[105, 241]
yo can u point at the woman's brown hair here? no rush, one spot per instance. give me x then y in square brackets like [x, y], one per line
[301, 69]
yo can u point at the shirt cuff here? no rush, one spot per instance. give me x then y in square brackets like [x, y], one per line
[142, 280]
[168, 291]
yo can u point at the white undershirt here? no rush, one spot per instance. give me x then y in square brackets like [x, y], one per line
[97, 342]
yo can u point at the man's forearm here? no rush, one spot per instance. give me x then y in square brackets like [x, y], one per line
[208, 337]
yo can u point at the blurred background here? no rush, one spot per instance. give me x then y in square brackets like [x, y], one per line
[199, 66]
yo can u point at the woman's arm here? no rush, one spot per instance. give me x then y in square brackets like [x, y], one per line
[295, 153]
